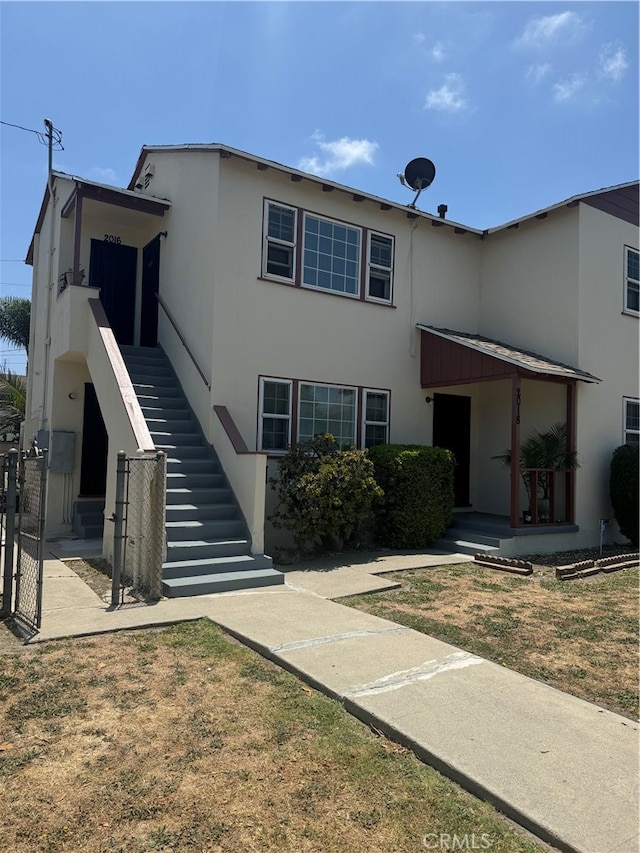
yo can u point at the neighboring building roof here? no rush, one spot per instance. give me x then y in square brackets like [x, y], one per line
[522, 359]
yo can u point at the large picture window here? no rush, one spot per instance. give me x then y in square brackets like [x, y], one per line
[632, 281]
[354, 416]
[332, 254]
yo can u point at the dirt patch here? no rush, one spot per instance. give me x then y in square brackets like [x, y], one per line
[181, 740]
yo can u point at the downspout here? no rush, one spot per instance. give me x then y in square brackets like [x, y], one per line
[47, 341]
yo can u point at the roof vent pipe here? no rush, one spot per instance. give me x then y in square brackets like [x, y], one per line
[442, 210]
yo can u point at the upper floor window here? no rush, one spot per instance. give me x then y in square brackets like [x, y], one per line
[632, 280]
[631, 416]
[332, 257]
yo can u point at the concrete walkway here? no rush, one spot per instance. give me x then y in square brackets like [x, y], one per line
[563, 768]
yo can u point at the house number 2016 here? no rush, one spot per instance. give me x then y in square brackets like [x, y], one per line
[111, 238]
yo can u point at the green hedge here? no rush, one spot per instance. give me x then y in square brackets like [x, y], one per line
[623, 488]
[417, 483]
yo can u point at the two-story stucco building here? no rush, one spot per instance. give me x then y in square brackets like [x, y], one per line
[288, 305]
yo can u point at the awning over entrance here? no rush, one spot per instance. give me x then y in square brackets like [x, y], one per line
[449, 357]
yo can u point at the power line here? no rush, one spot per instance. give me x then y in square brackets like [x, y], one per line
[43, 138]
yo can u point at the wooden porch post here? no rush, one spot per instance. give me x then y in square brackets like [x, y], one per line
[515, 450]
[570, 508]
[77, 231]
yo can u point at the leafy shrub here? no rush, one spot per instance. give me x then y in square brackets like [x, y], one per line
[323, 491]
[623, 489]
[418, 494]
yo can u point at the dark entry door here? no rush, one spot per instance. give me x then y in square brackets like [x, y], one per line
[150, 285]
[93, 471]
[112, 267]
[452, 430]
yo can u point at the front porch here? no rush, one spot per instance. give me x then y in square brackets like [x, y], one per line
[511, 395]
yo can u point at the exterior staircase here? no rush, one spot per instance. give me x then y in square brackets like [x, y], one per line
[88, 518]
[208, 547]
[475, 533]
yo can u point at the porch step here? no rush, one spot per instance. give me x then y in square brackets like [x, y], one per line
[208, 547]
[462, 546]
[224, 582]
[87, 520]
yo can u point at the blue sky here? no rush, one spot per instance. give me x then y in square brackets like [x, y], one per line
[518, 104]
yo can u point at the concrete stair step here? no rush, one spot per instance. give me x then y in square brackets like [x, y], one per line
[194, 479]
[223, 582]
[211, 495]
[155, 381]
[146, 388]
[243, 562]
[163, 438]
[224, 528]
[207, 465]
[462, 546]
[170, 425]
[473, 535]
[194, 511]
[206, 549]
[161, 402]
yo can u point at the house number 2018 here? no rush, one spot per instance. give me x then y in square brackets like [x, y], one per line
[111, 238]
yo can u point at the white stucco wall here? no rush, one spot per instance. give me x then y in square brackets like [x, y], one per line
[608, 347]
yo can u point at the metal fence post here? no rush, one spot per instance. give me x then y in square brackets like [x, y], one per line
[117, 529]
[10, 530]
[41, 526]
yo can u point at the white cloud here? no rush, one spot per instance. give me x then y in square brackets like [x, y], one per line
[449, 97]
[566, 89]
[542, 31]
[537, 73]
[338, 155]
[437, 52]
[612, 62]
[419, 37]
[103, 176]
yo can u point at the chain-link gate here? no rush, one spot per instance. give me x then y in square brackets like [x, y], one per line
[22, 511]
[139, 546]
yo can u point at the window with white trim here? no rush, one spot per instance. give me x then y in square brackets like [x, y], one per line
[632, 280]
[631, 416]
[331, 254]
[275, 414]
[280, 240]
[380, 256]
[349, 415]
[375, 418]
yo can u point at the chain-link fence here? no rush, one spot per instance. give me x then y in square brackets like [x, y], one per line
[32, 486]
[140, 533]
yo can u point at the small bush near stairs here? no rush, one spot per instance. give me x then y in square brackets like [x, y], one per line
[324, 492]
[418, 494]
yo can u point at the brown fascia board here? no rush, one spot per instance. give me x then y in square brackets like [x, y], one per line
[323, 183]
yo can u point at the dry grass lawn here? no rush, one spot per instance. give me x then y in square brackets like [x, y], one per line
[181, 740]
[580, 636]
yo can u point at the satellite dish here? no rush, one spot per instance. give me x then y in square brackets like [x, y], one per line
[418, 175]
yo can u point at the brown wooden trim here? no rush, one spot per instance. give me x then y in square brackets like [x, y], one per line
[69, 204]
[143, 204]
[515, 451]
[123, 380]
[232, 431]
[570, 508]
[183, 341]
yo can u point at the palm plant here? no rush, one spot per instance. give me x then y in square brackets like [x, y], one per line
[13, 398]
[544, 450]
[15, 319]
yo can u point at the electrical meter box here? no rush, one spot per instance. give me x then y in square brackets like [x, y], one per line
[61, 453]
